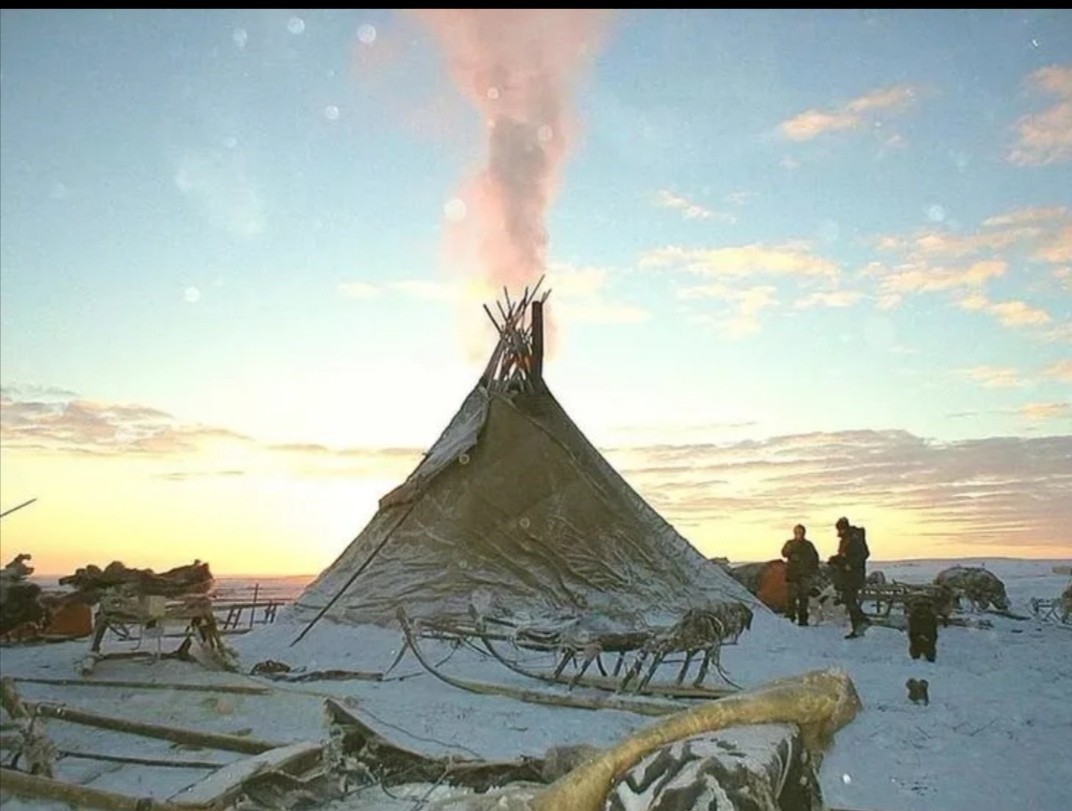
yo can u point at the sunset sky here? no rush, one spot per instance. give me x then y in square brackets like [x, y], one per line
[803, 264]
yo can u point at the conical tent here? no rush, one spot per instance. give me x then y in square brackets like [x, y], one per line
[513, 511]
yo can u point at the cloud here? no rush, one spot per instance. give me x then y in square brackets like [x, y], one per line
[737, 310]
[1061, 370]
[584, 294]
[23, 391]
[1038, 412]
[1011, 313]
[834, 298]
[89, 427]
[1055, 248]
[689, 209]
[1045, 137]
[1062, 333]
[853, 115]
[994, 377]
[790, 259]
[963, 264]
[1002, 492]
[1031, 215]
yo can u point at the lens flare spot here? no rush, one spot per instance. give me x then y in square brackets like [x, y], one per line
[366, 33]
[455, 210]
[192, 295]
[331, 112]
[240, 37]
[295, 25]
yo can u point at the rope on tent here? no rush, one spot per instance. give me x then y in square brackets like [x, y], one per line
[350, 580]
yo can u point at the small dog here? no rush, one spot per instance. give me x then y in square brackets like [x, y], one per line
[922, 629]
[824, 605]
[917, 691]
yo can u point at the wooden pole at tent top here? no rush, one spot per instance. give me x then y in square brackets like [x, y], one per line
[537, 343]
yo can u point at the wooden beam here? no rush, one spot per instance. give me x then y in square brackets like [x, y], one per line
[536, 373]
[149, 685]
[36, 787]
[212, 740]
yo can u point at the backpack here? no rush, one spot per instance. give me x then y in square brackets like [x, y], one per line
[864, 551]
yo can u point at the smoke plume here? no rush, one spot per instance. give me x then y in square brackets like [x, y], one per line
[517, 67]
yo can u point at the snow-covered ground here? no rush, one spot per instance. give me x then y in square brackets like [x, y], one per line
[995, 735]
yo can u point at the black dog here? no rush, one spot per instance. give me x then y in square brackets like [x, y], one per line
[922, 629]
[917, 691]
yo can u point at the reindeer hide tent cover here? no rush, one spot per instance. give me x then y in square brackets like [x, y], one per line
[513, 511]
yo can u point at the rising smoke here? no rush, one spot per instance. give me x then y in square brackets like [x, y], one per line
[518, 68]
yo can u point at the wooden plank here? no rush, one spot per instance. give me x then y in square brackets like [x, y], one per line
[149, 685]
[35, 787]
[211, 740]
[222, 785]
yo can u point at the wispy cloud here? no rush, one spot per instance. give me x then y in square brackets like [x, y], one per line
[689, 209]
[962, 265]
[88, 427]
[585, 294]
[833, 298]
[1010, 313]
[789, 259]
[1061, 370]
[855, 114]
[26, 391]
[1001, 492]
[734, 312]
[1045, 137]
[1046, 411]
[994, 377]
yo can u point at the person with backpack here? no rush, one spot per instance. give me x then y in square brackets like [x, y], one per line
[850, 570]
[801, 566]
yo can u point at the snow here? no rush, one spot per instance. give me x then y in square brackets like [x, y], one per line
[994, 736]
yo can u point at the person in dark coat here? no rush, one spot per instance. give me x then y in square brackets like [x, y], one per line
[801, 566]
[850, 569]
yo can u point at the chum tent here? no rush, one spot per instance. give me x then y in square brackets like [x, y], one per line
[513, 511]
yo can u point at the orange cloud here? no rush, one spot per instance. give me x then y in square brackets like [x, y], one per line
[1046, 411]
[852, 115]
[792, 259]
[1046, 137]
[995, 377]
[1010, 313]
[1061, 370]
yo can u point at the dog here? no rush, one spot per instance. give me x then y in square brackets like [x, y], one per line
[922, 629]
[824, 606]
[917, 691]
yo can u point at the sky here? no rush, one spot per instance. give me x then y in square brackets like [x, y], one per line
[802, 264]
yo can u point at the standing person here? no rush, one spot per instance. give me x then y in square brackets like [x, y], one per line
[850, 564]
[802, 564]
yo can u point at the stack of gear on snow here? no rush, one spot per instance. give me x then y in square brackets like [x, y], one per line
[982, 588]
[21, 611]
